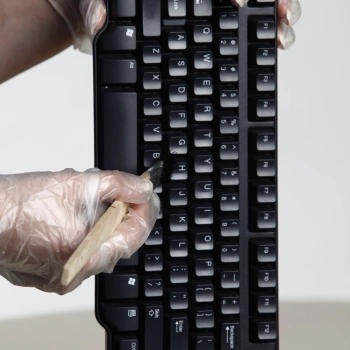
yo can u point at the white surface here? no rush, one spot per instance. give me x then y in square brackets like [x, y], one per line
[46, 123]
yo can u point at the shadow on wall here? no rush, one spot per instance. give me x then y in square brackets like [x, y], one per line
[304, 326]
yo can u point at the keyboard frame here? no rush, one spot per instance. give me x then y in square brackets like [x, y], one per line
[244, 126]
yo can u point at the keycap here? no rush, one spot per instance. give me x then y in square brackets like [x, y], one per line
[202, 33]
[265, 55]
[265, 140]
[178, 117]
[176, 194]
[228, 124]
[151, 18]
[266, 193]
[119, 38]
[227, 176]
[177, 8]
[227, 45]
[118, 70]
[266, 167]
[203, 187]
[227, 71]
[151, 52]
[151, 78]
[152, 130]
[228, 277]
[152, 327]
[122, 8]
[177, 272]
[228, 20]
[226, 148]
[264, 250]
[227, 200]
[179, 169]
[121, 317]
[264, 81]
[177, 91]
[264, 329]
[177, 220]
[203, 265]
[229, 334]
[153, 260]
[202, 58]
[128, 343]
[265, 28]
[202, 135]
[203, 162]
[202, 8]
[202, 213]
[203, 291]
[152, 286]
[156, 236]
[227, 304]
[265, 277]
[177, 298]
[176, 65]
[120, 285]
[201, 110]
[228, 98]
[203, 341]
[266, 219]
[202, 238]
[227, 225]
[227, 253]
[202, 85]
[264, 302]
[177, 246]
[176, 142]
[150, 154]
[178, 337]
[152, 104]
[176, 39]
[203, 316]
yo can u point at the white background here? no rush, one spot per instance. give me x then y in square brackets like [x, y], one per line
[46, 123]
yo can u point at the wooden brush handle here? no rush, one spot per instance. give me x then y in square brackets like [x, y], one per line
[99, 234]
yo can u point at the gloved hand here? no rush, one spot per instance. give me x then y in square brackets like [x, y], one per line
[45, 216]
[289, 12]
[86, 17]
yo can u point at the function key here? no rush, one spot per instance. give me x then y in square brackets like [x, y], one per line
[227, 304]
[265, 219]
[263, 80]
[265, 107]
[119, 38]
[265, 55]
[265, 193]
[176, 8]
[201, 8]
[265, 277]
[122, 8]
[121, 317]
[228, 226]
[153, 286]
[120, 285]
[264, 303]
[265, 140]
[264, 329]
[264, 251]
[266, 166]
[265, 27]
[202, 239]
[151, 53]
[204, 341]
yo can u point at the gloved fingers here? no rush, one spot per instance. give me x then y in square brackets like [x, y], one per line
[117, 185]
[286, 35]
[94, 14]
[240, 3]
[129, 236]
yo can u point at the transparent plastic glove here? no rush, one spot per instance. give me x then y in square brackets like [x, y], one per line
[45, 216]
[289, 12]
[84, 19]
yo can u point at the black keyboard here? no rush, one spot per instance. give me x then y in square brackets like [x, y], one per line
[195, 81]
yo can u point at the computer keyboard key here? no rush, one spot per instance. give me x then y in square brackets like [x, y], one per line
[264, 329]
[156, 236]
[227, 304]
[178, 332]
[152, 105]
[177, 246]
[201, 110]
[151, 18]
[151, 53]
[228, 20]
[202, 33]
[266, 219]
[152, 325]
[152, 286]
[176, 39]
[151, 79]
[128, 343]
[264, 302]
[266, 167]
[177, 220]
[264, 250]
[265, 55]
[266, 277]
[203, 316]
[118, 70]
[265, 81]
[202, 135]
[175, 194]
[265, 140]
[152, 131]
[226, 176]
[177, 298]
[202, 59]
[201, 8]
[228, 277]
[121, 317]
[204, 341]
[177, 117]
[203, 187]
[150, 155]
[265, 27]
[227, 253]
[177, 8]
[176, 65]
[119, 285]
[176, 142]
[153, 260]
[122, 8]
[203, 162]
[227, 226]
[177, 272]
[119, 38]
[202, 213]
[179, 169]
[203, 291]
[228, 98]
[229, 334]
[227, 45]
[203, 265]
[226, 148]
[132, 261]
[227, 200]
[202, 239]
[226, 71]
[266, 193]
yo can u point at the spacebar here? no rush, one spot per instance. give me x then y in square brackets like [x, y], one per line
[151, 17]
